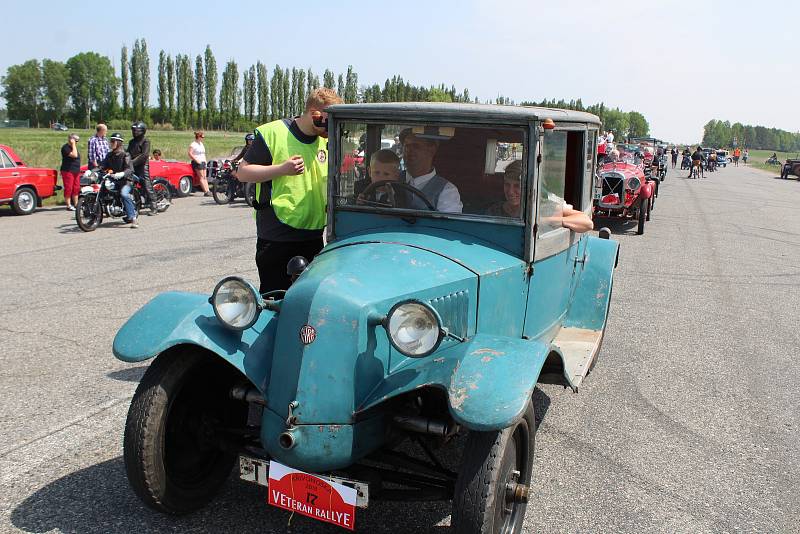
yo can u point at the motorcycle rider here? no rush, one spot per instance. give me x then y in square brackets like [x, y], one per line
[697, 155]
[248, 140]
[139, 150]
[119, 162]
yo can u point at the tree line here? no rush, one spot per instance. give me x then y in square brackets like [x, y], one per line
[624, 124]
[190, 94]
[718, 133]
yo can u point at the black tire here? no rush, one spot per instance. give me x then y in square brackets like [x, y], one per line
[163, 195]
[644, 214]
[250, 193]
[479, 504]
[221, 192]
[184, 186]
[24, 201]
[172, 457]
[650, 202]
[88, 214]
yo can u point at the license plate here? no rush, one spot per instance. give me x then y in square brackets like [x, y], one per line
[326, 498]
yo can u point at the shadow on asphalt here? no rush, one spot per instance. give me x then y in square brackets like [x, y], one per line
[98, 500]
[132, 374]
[618, 226]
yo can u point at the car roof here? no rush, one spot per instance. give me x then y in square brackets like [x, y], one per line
[455, 111]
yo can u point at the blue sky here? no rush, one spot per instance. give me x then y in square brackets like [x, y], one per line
[732, 60]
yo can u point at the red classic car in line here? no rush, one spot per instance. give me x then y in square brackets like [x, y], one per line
[24, 187]
[623, 191]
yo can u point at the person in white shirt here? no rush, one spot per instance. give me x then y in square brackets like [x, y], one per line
[418, 154]
[197, 153]
[610, 137]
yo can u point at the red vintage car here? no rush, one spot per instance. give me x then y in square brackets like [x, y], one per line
[177, 175]
[24, 187]
[625, 192]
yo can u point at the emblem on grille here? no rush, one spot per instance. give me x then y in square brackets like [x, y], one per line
[307, 334]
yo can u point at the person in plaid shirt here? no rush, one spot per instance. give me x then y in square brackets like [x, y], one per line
[98, 146]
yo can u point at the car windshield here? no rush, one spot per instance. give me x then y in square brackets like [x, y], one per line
[472, 171]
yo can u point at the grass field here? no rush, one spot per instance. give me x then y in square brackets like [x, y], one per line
[41, 147]
[758, 157]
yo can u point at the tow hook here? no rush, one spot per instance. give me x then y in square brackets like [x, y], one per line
[291, 419]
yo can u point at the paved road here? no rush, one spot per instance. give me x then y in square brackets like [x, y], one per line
[689, 422]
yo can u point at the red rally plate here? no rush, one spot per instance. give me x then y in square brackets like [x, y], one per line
[311, 496]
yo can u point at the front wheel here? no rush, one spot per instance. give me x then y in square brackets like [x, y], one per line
[88, 213]
[644, 215]
[177, 453]
[492, 489]
[184, 186]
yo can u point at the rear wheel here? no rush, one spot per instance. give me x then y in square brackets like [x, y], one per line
[492, 489]
[88, 213]
[221, 191]
[24, 202]
[163, 196]
[185, 186]
[250, 193]
[176, 456]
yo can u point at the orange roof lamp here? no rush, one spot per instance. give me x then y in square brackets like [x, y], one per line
[548, 124]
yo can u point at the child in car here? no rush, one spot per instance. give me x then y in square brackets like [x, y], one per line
[384, 166]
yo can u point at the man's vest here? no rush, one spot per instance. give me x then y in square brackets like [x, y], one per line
[299, 201]
[432, 190]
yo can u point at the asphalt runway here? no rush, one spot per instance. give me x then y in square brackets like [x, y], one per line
[689, 423]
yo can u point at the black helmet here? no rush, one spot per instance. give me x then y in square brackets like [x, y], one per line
[116, 136]
[296, 266]
[138, 128]
[249, 137]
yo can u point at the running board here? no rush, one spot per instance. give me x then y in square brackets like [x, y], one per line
[579, 347]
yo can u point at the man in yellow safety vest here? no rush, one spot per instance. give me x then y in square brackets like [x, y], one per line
[288, 162]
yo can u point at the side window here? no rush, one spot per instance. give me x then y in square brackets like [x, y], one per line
[588, 179]
[5, 161]
[552, 176]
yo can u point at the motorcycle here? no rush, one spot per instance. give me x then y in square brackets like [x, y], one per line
[686, 163]
[101, 196]
[227, 187]
[773, 160]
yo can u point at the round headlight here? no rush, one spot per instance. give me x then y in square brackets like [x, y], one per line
[414, 328]
[236, 303]
[634, 183]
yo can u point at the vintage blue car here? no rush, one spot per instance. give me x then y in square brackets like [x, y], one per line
[441, 299]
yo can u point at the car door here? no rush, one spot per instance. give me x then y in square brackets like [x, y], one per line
[9, 175]
[558, 252]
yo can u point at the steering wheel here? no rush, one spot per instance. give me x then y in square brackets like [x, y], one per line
[394, 188]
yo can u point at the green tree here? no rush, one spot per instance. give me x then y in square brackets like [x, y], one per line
[300, 99]
[340, 86]
[124, 72]
[136, 81]
[328, 79]
[287, 93]
[637, 124]
[144, 68]
[276, 94]
[90, 76]
[229, 96]
[263, 92]
[171, 77]
[252, 93]
[55, 78]
[211, 85]
[163, 91]
[22, 89]
[351, 86]
[199, 88]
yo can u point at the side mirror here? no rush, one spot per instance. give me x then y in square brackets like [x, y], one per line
[604, 233]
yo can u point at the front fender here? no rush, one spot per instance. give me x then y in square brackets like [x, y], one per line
[489, 379]
[176, 318]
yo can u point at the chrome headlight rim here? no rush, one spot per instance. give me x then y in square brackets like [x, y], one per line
[440, 333]
[633, 183]
[257, 302]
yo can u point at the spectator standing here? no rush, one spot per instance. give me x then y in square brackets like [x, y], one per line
[197, 153]
[98, 146]
[610, 137]
[674, 154]
[745, 156]
[70, 171]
